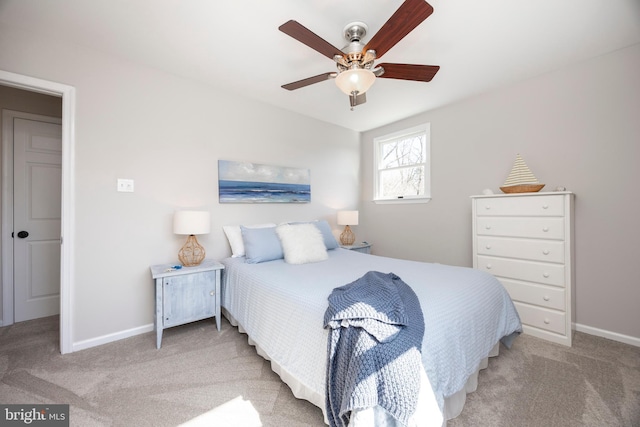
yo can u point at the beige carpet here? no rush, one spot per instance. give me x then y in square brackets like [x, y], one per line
[204, 377]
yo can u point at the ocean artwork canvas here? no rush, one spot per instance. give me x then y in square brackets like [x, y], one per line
[244, 182]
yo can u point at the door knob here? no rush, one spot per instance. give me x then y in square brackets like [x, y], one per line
[23, 234]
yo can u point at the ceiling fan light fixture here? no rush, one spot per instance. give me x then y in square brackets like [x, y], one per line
[357, 80]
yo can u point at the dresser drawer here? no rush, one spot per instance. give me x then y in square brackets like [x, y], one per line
[530, 271]
[552, 205]
[537, 228]
[531, 293]
[542, 318]
[537, 250]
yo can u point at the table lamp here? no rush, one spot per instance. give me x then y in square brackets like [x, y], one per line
[191, 223]
[347, 218]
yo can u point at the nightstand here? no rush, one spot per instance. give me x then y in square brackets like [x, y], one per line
[363, 247]
[185, 295]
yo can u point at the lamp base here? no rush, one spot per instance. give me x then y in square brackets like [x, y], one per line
[192, 253]
[347, 237]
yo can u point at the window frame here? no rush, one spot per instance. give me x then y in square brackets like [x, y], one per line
[377, 153]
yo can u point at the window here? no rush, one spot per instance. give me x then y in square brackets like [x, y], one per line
[402, 166]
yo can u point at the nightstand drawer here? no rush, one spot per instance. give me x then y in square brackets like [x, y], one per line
[521, 206]
[536, 250]
[530, 271]
[542, 318]
[536, 228]
[531, 293]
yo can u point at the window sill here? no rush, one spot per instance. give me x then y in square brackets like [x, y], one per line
[402, 201]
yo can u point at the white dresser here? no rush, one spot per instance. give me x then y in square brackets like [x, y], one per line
[526, 241]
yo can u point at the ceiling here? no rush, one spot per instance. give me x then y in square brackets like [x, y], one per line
[236, 46]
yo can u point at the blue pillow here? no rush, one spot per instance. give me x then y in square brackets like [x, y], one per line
[329, 240]
[261, 244]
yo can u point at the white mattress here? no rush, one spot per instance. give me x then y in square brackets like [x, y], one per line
[281, 307]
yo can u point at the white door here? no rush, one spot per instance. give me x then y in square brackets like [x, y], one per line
[37, 181]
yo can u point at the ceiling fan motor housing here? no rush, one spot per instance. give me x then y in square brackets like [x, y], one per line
[355, 31]
[354, 56]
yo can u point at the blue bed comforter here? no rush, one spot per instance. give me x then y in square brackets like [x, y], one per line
[466, 312]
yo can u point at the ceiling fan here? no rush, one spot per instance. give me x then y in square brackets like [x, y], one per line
[355, 62]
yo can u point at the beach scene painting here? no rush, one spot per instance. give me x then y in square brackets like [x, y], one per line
[244, 182]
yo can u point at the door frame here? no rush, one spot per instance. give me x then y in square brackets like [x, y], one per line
[67, 229]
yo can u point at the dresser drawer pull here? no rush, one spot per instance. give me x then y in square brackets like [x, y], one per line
[488, 246]
[487, 227]
[212, 293]
[547, 321]
[487, 207]
[545, 252]
[546, 298]
[545, 229]
[545, 206]
[545, 275]
[488, 266]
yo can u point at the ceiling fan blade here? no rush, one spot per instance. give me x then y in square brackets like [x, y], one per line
[408, 16]
[306, 36]
[309, 81]
[421, 73]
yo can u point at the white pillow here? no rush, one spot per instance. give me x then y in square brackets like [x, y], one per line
[302, 243]
[234, 236]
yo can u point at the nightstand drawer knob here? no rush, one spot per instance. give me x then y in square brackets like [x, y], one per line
[547, 321]
[545, 229]
[488, 227]
[545, 252]
[487, 207]
[545, 275]
[546, 298]
[545, 206]
[488, 266]
[488, 246]
[212, 293]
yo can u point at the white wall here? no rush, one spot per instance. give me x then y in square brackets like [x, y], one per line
[167, 134]
[578, 127]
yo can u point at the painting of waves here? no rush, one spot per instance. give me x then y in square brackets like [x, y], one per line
[242, 182]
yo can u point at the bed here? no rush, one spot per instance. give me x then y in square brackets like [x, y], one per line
[281, 305]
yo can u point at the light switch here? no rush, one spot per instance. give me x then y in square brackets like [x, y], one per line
[125, 185]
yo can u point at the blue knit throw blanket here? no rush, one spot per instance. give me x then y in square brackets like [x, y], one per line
[376, 329]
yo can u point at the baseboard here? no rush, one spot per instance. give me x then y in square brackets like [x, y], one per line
[94, 342]
[105, 339]
[608, 334]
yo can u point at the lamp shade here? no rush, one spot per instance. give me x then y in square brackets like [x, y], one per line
[357, 80]
[347, 217]
[191, 222]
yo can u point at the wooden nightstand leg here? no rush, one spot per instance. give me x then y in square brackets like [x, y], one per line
[218, 299]
[158, 318]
